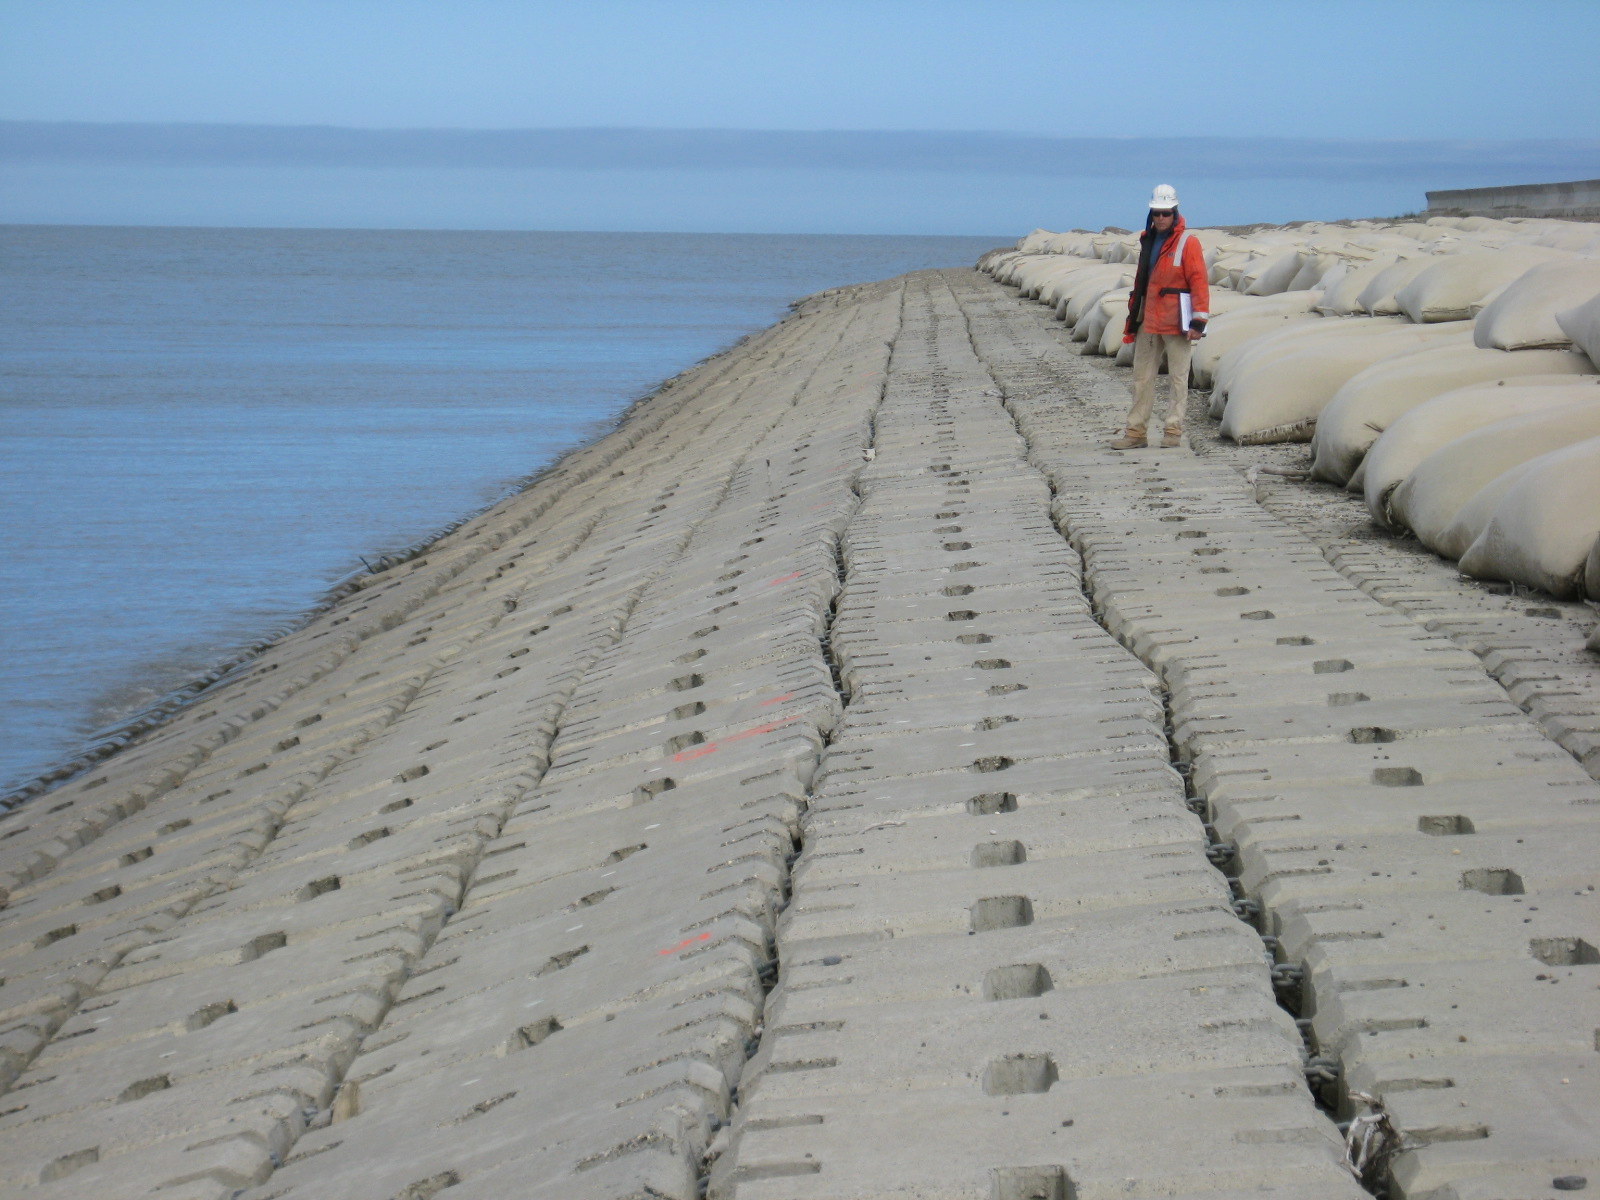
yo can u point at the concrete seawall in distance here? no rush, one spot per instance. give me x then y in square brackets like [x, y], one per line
[844, 780]
[1576, 200]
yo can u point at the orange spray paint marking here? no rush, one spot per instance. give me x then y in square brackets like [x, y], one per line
[767, 728]
[695, 752]
[777, 700]
[686, 943]
[789, 578]
[754, 731]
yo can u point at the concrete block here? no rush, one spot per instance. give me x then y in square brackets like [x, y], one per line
[1511, 754]
[1361, 722]
[1443, 810]
[1516, 1009]
[823, 978]
[1194, 1132]
[1355, 934]
[153, 1112]
[1027, 893]
[992, 752]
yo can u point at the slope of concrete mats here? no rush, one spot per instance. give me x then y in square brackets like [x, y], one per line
[598, 988]
[1008, 968]
[208, 939]
[1419, 854]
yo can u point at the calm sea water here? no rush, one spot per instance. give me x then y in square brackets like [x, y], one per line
[202, 429]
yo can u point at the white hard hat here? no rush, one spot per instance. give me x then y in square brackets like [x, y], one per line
[1165, 196]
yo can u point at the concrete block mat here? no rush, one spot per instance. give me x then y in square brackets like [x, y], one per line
[1200, 1135]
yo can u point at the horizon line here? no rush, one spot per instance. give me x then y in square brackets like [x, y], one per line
[1434, 163]
[765, 129]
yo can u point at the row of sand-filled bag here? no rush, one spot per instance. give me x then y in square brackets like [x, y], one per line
[1446, 329]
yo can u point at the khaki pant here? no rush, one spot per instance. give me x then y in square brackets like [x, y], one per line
[1148, 351]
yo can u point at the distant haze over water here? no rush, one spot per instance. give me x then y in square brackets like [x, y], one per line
[926, 182]
[202, 429]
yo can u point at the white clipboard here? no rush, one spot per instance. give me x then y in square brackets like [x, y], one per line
[1185, 310]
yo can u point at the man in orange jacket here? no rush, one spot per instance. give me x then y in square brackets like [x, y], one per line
[1167, 313]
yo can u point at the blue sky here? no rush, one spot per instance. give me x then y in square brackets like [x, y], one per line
[1412, 69]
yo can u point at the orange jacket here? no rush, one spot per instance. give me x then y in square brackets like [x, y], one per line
[1167, 276]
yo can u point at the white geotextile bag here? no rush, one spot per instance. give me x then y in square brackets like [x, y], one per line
[1090, 323]
[1332, 277]
[1050, 289]
[1289, 340]
[1313, 266]
[1272, 276]
[1240, 309]
[1223, 268]
[1103, 244]
[1541, 531]
[1020, 269]
[1237, 276]
[1115, 307]
[1342, 298]
[1567, 235]
[1457, 537]
[1037, 280]
[1377, 298]
[1582, 325]
[1439, 487]
[1035, 273]
[1226, 300]
[1073, 273]
[1096, 323]
[1442, 420]
[992, 262]
[1372, 399]
[1283, 302]
[1454, 283]
[1010, 268]
[1047, 283]
[1524, 313]
[1072, 243]
[1080, 294]
[1279, 398]
[1232, 330]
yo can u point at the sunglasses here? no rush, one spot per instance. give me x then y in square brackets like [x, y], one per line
[1162, 212]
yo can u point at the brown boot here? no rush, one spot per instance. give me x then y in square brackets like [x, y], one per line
[1131, 439]
[1171, 438]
